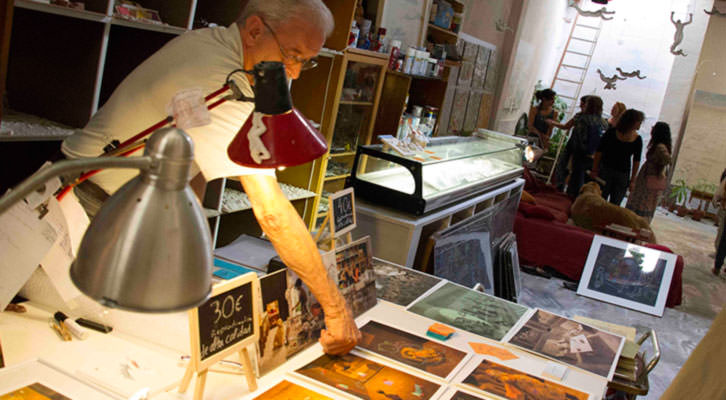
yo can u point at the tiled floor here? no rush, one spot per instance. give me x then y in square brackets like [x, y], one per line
[680, 329]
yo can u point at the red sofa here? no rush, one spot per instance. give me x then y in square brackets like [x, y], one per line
[544, 239]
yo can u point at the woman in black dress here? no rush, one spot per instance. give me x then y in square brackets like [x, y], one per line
[612, 161]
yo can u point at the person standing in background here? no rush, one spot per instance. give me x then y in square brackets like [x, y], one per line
[562, 170]
[612, 161]
[538, 116]
[615, 113]
[584, 141]
[652, 178]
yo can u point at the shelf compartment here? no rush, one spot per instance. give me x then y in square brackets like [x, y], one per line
[124, 54]
[176, 13]
[441, 35]
[234, 200]
[53, 59]
[95, 10]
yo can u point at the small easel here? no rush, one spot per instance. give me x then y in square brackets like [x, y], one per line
[340, 218]
[230, 302]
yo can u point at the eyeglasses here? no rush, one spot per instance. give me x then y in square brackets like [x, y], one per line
[288, 59]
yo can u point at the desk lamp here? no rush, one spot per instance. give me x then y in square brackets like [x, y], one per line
[148, 249]
[275, 134]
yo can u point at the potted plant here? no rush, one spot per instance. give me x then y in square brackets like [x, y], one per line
[679, 192]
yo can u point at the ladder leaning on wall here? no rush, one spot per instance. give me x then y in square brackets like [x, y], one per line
[572, 70]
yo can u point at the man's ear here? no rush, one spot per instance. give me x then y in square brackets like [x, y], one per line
[253, 29]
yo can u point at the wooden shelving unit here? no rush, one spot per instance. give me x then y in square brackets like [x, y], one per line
[63, 65]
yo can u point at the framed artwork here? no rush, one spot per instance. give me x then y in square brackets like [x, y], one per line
[470, 310]
[411, 350]
[627, 275]
[39, 380]
[291, 391]
[508, 383]
[400, 285]
[367, 379]
[570, 342]
[458, 111]
[465, 258]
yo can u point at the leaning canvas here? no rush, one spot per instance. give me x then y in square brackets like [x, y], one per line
[570, 342]
[627, 275]
[470, 310]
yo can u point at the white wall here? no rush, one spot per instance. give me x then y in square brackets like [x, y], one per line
[403, 20]
[537, 50]
[702, 156]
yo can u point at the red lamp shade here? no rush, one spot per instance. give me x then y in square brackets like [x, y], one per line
[275, 134]
[271, 141]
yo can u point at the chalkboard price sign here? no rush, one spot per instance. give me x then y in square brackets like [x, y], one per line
[342, 208]
[225, 322]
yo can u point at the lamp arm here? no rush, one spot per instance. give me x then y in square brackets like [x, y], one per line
[69, 166]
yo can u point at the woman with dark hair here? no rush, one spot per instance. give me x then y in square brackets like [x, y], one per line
[612, 160]
[539, 114]
[652, 178]
[585, 138]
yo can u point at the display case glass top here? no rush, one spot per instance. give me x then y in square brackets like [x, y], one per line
[447, 170]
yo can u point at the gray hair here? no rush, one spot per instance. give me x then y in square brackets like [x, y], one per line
[276, 12]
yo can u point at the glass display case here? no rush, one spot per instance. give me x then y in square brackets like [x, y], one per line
[447, 170]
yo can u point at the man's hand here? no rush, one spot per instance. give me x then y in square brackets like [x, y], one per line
[340, 334]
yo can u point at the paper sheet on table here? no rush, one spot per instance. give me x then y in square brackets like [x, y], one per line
[69, 221]
[24, 241]
[630, 348]
[502, 354]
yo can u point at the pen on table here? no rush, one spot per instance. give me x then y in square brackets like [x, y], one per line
[64, 334]
[70, 325]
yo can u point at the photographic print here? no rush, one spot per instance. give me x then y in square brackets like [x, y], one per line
[401, 285]
[412, 350]
[351, 268]
[306, 318]
[509, 383]
[627, 275]
[289, 391]
[472, 311]
[36, 391]
[570, 342]
[274, 314]
[368, 379]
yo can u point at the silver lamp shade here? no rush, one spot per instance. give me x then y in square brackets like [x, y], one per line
[148, 249]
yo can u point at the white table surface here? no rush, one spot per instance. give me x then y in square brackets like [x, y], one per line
[28, 336]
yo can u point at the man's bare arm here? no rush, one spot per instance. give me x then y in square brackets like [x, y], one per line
[290, 237]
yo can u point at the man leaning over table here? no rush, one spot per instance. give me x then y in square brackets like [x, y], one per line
[289, 31]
